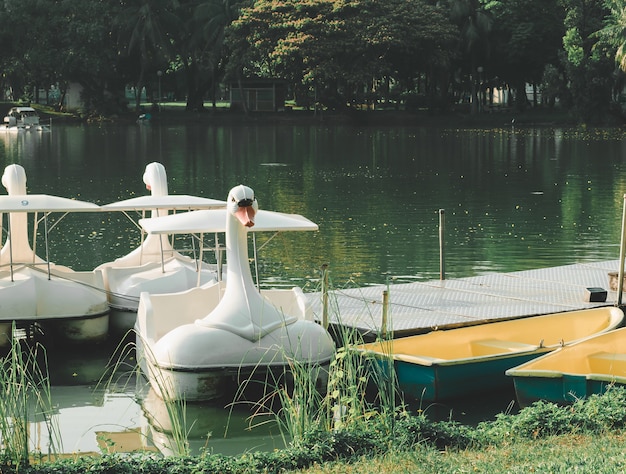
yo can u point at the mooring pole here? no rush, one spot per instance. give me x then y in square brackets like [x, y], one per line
[442, 257]
[622, 251]
[325, 296]
[383, 323]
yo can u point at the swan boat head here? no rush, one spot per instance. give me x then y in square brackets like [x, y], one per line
[155, 179]
[17, 242]
[14, 179]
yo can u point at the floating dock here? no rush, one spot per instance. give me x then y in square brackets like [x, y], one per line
[418, 307]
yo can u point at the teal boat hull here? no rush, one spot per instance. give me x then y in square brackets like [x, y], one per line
[431, 383]
[561, 390]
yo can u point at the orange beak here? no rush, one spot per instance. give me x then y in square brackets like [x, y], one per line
[246, 215]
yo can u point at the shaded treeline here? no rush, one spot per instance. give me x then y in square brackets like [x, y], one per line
[336, 54]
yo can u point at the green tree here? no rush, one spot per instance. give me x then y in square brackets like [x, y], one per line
[338, 48]
[61, 42]
[588, 62]
[475, 23]
[145, 28]
[199, 46]
[527, 36]
[614, 30]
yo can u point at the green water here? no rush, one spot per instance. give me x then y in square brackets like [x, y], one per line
[514, 199]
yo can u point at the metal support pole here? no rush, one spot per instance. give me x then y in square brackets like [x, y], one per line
[325, 296]
[622, 252]
[45, 226]
[442, 256]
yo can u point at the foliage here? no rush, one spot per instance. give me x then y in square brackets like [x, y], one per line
[338, 47]
[340, 54]
[527, 38]
[597, 414]
[588, 62]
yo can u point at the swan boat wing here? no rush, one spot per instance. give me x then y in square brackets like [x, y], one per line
[44, 203]
[205, 221]
[177, 202]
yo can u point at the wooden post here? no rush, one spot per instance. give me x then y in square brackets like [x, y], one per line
[622, 251]
[383, 324]
[442, 259]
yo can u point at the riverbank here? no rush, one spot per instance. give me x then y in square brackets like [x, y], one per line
[422, 118]
[587, 437]
[174, 112]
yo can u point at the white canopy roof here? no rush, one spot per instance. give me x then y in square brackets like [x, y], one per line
[44, 203]
[173, 202]
[205, 221]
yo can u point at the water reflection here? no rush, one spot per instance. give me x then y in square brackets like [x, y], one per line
[224, 428]
[102, 404]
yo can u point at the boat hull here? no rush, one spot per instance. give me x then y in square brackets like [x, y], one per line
[70, 306]
[82, 330]
[125, 284]
[583, 369]
[450, 381]
[245, 381]
[456, 363]
[184, 360]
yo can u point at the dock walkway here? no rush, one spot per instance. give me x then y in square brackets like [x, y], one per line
[422, 306]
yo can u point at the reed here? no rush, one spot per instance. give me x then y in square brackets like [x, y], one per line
[178, 429]
[356, 389]
[25, 396]
[128, 364]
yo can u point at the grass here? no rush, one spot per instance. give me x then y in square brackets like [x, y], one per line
[586, 437]
[25, 397]
[556, 454]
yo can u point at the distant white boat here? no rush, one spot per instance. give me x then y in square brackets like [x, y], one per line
[154, 266]
[23, 119]
[201, 343]
[72, 305]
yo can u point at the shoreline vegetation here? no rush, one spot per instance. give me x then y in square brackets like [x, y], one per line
[587, 436]
[222, 115]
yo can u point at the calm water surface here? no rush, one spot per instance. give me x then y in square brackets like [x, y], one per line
[514, 199]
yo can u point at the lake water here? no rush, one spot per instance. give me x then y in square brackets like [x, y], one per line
[514, 199]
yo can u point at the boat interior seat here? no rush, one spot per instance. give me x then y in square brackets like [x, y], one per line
[498, 346]
[613, 363]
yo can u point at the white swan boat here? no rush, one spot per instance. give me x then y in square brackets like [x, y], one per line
[70, 304]
[200, 343]
[154, 266]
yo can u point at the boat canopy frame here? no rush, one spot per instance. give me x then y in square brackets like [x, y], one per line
[37, 204]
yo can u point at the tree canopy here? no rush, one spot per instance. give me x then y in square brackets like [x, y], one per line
[335, 54]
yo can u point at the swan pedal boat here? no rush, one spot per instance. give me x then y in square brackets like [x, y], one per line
[454, 363]
[202, 343]
[154, 266]
[570, 373]
[70, 304]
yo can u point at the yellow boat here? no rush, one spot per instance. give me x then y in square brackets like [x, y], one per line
[570, 373]
[454, 363]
